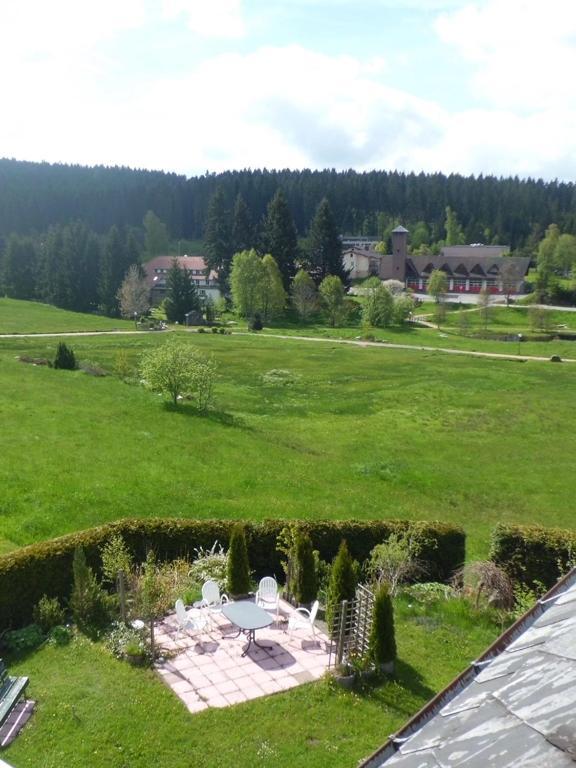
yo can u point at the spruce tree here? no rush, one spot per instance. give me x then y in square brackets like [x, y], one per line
[181, 295]
[218, 238]
[324, 247]
[279, 236]
[242, 227]
[114, 264]
[19, 268]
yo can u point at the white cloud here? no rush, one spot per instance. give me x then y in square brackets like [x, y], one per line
[522, 50]
[209, 18]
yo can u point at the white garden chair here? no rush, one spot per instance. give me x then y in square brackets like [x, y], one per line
[302, 618]
[211, 597]
[267, 595]
[193, 621]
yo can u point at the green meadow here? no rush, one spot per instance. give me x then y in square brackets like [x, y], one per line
[342, 432]
[33, 317]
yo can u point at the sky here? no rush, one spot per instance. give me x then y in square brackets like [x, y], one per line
[196, 86]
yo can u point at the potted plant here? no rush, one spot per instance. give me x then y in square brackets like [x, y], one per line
[135, 654]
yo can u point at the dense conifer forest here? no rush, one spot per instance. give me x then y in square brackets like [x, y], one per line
[36, 196]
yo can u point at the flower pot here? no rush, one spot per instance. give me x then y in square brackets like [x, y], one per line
[135, 659]
[346, 680]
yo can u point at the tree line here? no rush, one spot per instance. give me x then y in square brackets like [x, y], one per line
[511, 211]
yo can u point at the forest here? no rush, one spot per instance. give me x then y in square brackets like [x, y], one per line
[510, 211]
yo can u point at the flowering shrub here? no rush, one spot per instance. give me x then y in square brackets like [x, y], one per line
[209, 564]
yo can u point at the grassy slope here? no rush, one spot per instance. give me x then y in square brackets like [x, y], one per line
[95, 711]
[30, 317]
[361, 433]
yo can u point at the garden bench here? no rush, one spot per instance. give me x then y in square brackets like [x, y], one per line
[11, 688]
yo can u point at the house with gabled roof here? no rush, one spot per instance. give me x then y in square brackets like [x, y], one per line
[514, 707]
[157, 271]
[469, 268]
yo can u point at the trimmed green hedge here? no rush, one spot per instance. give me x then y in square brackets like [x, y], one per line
[530, 553]
[46, 568]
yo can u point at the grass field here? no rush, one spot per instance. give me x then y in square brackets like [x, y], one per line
[354, 433]
[31, 317]
[96, 711]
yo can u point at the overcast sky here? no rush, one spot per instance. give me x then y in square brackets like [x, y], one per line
[207, 85]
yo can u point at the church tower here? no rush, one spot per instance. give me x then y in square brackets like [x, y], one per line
[399, 253]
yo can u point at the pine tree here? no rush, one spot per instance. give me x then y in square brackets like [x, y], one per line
[324, 247]
[218, 238]
[113, 267]
[181, 295]
[243, 237]
[279, 236]
[19, 268]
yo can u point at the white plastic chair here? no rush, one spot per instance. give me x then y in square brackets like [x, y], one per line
[302, 618]
[211, 597]
[267, 595]
[193, 620]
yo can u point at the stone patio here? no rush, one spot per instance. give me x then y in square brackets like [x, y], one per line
[208, 670]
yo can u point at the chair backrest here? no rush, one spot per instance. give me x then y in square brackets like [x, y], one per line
[268, 587]
[181, 611]
[211, 592]
[314, 611]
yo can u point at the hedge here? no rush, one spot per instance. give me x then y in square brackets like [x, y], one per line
[531, 554]
[46, 568]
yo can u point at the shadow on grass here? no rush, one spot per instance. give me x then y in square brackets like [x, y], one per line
[218, 417]
[412, 680]
[405, 692]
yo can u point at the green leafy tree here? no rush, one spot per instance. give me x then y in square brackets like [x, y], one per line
[324, 249]
[150, 598]
[273, 293]
[116, 557]
[181, 294]
[179, 370]
[378, 309]
[403, 308]
[247, 279]
[218, 243]
[304, 295]
[509, 278]
[134, 293]
[454, 232]
[243, 236]
[438, 285]
[342, 584]
[382, 641]
[279, 236]
[546, 256]
[565, 254]
[484, 306]
[238, 574]
[156, 236]
[306, 585]
[332, 295]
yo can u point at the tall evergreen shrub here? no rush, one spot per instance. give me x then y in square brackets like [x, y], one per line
[342, 584]
[238, 565]
[89, 602]
[306, 581]
[383, 637]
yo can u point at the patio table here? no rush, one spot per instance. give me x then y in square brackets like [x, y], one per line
[248, 617]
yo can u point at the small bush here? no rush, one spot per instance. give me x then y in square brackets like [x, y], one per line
[209, 564]
[214, 329]
[65, 358]
[89, 603]
[222, 331]
[116, 557]
[201, 329]
[21, 640]
[120, 637]
[48, 613]
[256, 323]
[59, 635]
[238, 566]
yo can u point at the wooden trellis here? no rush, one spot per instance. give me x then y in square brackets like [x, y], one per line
[350, 633]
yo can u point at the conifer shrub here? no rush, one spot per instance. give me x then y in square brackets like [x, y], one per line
[238, 582]
[48, 613]
[65, 358]
[306, 584]
[383, 637]
[343, 582]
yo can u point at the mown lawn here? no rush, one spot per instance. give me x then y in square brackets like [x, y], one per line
[33, 317]
[352, 433]
[93, 710]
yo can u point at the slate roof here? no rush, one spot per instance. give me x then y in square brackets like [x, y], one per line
[185, 262]
[469, 266]
[515, 707]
